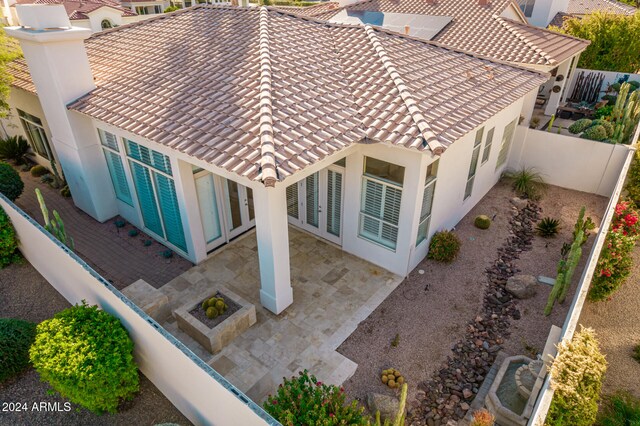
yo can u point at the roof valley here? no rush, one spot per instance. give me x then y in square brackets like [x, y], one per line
[269, 174]
[429, 136]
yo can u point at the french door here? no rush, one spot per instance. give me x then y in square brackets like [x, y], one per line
[315, 203]
[226, 208]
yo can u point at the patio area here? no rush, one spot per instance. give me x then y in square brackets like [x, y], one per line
[333, 292]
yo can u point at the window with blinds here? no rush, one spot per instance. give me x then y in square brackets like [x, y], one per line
[36, 135]
[111, 151]
[487, 146]
[380, 203]
[507, 137]
[473, 167]
[311, 189]
[427, 202]
[334, 202]
[292, 201]
[156, 193]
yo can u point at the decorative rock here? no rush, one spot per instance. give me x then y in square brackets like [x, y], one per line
[519, 203]
[467, 393]
[387, 405]
[522, 286]
[464, 406]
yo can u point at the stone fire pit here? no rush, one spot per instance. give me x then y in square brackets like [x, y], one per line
[216, 338]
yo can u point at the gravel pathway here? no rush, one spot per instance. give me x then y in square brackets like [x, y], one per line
[430, 311]
[27, 295]
[616, 324]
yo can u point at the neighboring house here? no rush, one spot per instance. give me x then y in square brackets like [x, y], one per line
[543, 13]
[146, 7]
[367, 138]
[96, 15]
[495, 29]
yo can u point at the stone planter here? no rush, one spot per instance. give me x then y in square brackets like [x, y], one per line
[216, 338]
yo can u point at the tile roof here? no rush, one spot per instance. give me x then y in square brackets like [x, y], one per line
[269, 93]
[583, 7]
[78, 9]
[474, 28]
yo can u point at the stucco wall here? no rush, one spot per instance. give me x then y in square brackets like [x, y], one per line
[200, 393]
[610, 77]
[568, 161]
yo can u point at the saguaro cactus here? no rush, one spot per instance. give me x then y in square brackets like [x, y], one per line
[54, 225]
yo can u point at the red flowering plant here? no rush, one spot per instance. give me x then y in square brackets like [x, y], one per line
[614, 264]
[626, 220]
[303, 400]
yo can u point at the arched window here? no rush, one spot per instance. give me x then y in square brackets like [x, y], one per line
[106, 24]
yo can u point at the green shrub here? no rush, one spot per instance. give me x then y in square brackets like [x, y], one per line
[15, 148]
[171, 9]
[86, 355]
[619, 409]
[10, 183]
[613, 267]
[548, 227]
[604, 112]
[8, 241]
[595, 133]
[636, 353]
[482, 222]
[580, 126]
[606, 124]
[633, 180]
[444, 246]
[577, 373]
[527, 183]
[635, 85]
[16, 336]
[303, 400]
[38, 170]
[611, 98]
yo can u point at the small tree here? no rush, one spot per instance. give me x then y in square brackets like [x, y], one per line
[615, 40]
[577, 373]
[10, 183]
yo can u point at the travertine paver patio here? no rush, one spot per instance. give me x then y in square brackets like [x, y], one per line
[332, 292]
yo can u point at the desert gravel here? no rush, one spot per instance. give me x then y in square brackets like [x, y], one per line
[25, 294]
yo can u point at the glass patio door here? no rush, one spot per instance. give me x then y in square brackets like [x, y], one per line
[209, 209]
[315, 203]
[239, 210]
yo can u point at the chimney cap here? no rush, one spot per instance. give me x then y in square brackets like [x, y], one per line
[43, 17]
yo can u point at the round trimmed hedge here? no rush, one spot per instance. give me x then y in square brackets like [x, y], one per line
[86, 355]
[16, 336]
[8, 241]
[10, 183]
[444, 246]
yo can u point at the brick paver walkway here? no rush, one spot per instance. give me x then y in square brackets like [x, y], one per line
[111, 252]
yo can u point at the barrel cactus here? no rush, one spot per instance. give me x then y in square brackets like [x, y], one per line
[212, 313]
[392, 378]
[482, 222]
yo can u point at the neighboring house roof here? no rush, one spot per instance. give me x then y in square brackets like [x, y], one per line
[78, 9]
[269, 93]
[584, 7]
[474, 28]
[578, 8]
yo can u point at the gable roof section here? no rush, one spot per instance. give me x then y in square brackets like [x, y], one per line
[474, 28]
[271, 91]
[78, 9]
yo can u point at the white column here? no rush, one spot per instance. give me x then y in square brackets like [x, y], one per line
[554, 97]
[59, 68]
[272, 232]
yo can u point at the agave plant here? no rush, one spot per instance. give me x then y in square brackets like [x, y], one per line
[548, 227]
[527, 183]
[15, 148]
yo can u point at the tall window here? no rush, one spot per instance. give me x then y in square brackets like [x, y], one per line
[427, 202]
[35, 134]
[141, 10]
[157, 9]
[380, 203]
[153, 180]
[527, 7]
[116, 168]
[474, 163]
[507, 137]
[487, 146]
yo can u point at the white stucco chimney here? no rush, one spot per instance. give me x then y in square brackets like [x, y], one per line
[59, 68]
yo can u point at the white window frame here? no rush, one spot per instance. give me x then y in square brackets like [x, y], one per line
[473, 166]
[486, 153]
[425, 216]
[38, 127]
[117, 151]
[505, 146]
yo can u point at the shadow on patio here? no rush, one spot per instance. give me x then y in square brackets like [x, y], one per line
[332, 292]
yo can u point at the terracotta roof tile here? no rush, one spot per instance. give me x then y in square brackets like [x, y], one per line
[78, 9]
[474, 28]
[583, 7]
[323, 87]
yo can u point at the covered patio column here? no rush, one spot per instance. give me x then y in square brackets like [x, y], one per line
[272, 233]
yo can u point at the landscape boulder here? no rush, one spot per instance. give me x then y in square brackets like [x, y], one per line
[387, 405]
[522, 286]
[519, 203]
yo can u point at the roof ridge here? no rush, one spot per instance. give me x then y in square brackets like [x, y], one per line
[269, 175]
[545, 30]
[427, 133]
[522, 37]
